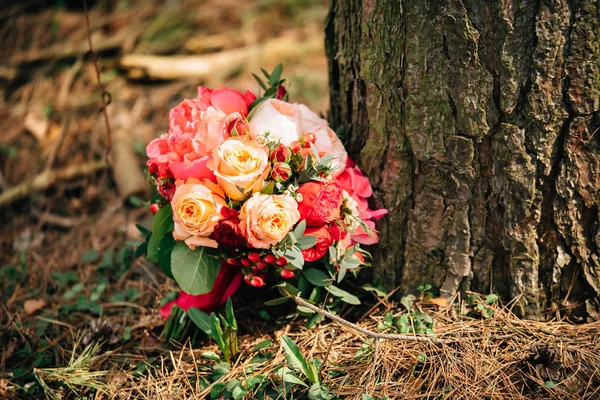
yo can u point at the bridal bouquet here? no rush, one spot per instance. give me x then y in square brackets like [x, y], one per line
[252, 189]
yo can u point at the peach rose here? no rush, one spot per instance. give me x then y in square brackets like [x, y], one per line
[196, 211]
[327, 141]
[240, 166]
[265, 219]
[278, 119]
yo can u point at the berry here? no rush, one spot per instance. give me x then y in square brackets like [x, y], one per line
[262, 265]
[245, 262]
[257, 281]
[287, 274]
[270, 258]
[154, 208]
[282, 261]
[254, 257]
[248, 279]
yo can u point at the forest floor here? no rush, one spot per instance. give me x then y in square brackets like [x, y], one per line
[68, 278]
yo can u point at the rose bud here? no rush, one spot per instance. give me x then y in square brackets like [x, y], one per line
[270, 258]
[246, 262]
[296, 146]
[257, 281]
[281, 172]
[309, 138]
[281, 92]
[254, 257]
[280, 153]
[282, 261]
[154, 208]
[238, 125]
[287, 274]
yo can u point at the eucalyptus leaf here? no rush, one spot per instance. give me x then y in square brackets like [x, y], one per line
[194, 270]
[343, 295]
[316, 277]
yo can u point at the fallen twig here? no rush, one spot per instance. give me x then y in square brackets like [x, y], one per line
[48, 178]
[389, 336]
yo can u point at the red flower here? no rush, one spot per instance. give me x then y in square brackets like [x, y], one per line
[227, 233]
[320, 203]
[324, 241]
[226, 284]
[281, 92]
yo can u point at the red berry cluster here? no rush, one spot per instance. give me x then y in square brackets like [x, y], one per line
[254, 266]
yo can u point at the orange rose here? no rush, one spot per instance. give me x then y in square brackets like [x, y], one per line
[196, 211]
[321, 202]
[266, 220]
[240, 166]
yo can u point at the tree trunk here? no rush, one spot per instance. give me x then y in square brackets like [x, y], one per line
[476, 122]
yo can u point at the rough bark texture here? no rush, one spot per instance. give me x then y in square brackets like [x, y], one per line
[476, 122]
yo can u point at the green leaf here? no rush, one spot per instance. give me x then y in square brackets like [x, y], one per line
[265, 73]
[90, 256]
[211, 355]
[262, 345]
[276, 75]
[163, 221]
[201, 319]
[317, 277]
[215, 391]
[291, 377]
[300, 228]
[230, 315]
[295, 357]
[314, 320]
[287, 287]
[194, 270]
[549, 384]
[407, 301]
[342, 294]
[260, 82]
[238, 393]
[306, 242]
[377, 291]
[165, 248]
[491, 298]
[276, 302]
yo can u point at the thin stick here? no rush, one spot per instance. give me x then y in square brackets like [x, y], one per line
[47, 178]
[103, 93]
[300, 301]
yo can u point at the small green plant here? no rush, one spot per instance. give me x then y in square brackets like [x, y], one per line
[223, 329]
[477, 307]
[310, 369]
[412, 321]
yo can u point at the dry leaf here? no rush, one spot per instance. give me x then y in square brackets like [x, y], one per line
[33, 305]
[438, 301]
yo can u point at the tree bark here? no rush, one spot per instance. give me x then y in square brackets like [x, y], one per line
[477, 123]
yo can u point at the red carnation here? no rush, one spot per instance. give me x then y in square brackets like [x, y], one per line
[324, 241]
[228, 233]
[320, 203]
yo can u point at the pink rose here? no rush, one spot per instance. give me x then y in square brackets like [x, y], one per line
[267, 219]
[359, 188]
[196, 211]
[196, 128]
